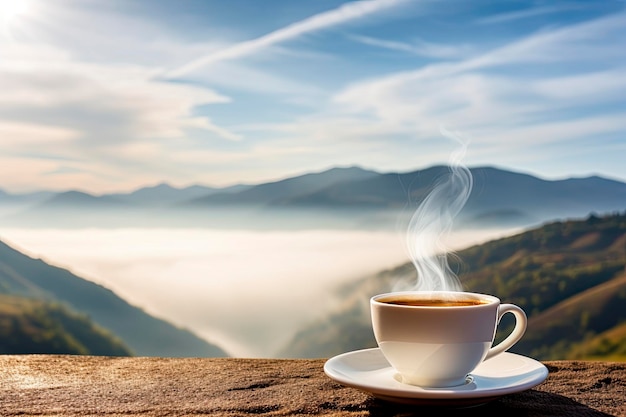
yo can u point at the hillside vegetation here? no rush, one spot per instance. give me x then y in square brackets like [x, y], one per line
[34, 326]
[568, 276]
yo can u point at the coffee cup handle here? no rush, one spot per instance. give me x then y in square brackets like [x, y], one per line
[517, 333]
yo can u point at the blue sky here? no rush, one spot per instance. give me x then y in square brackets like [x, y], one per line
[111, 95]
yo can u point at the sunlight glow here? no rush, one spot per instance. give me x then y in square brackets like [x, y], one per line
[12, 9]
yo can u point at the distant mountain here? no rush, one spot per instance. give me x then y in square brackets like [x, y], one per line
[349, 197]
[273, 192]
[24, 198]
[35, 326]
[145, 207]
[161, 194]
[498, 196]
[496, 190]
[16, 203]
[569, 277]
[164, 194]
[80, 200]
[73, 209]
[378, 191]
[23, 276]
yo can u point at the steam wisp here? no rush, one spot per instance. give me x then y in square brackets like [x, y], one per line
[432, 222]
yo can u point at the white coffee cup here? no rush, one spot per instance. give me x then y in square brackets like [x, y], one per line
[441, 340]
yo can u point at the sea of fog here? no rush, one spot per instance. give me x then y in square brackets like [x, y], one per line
[246, 291]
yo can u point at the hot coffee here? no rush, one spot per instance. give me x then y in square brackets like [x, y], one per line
[428, 302]
[434, 346]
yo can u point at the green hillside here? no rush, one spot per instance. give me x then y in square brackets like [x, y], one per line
[582, 326]
[144, 334]
[609, 346]
[34, 326]
[568, 276]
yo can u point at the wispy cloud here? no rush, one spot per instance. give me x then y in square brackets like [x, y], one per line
[418, 47]
[17, 135]
[527, 13]
[466, 92]
[343, 14]
[81, 110]
[56, 104]
[536, 91]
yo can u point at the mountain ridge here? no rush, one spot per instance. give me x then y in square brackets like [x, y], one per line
[338, 197]
[269, 191]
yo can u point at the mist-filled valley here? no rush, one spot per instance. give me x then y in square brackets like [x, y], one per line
[246, 291]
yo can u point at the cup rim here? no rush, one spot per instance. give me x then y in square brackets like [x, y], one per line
[374, 300]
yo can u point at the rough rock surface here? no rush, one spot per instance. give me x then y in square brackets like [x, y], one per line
[57, 385]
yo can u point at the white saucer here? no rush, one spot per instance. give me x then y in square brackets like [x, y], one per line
[369, 371]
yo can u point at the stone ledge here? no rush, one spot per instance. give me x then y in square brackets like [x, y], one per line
[61, 385]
